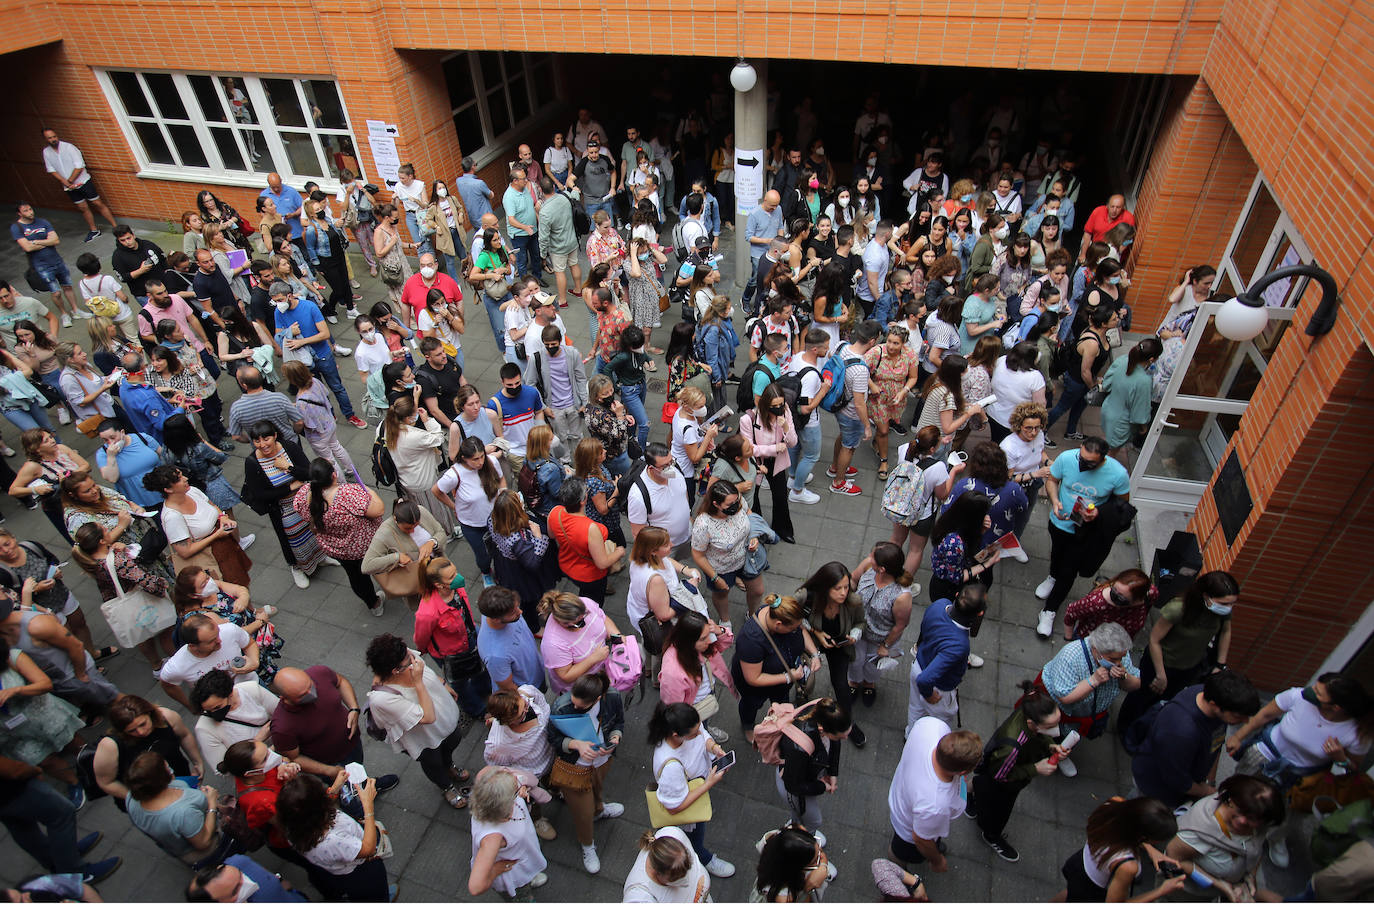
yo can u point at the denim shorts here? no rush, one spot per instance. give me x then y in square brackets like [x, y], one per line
[57, 275]
[851, 430]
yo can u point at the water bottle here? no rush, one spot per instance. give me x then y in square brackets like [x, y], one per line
[1067, 744]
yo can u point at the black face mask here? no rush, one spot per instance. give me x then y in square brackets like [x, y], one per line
[732, 508]
[219, 714]
[1118, 598]
[525, 717]
[777, 409]
[1084, 465]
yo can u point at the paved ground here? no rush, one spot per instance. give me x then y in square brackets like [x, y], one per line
[326, 624]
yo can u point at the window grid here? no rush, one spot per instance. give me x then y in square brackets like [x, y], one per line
[525, 68]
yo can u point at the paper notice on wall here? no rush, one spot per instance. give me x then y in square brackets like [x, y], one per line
[387, 159]
[748, 179]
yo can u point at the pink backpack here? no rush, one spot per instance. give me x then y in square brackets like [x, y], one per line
[779, 721]
[625, 664]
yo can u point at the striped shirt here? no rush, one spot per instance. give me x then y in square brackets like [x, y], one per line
[517, 415]
[251, 408]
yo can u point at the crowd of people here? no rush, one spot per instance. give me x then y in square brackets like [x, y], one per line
[915, 312]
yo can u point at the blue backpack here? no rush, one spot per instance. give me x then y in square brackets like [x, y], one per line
[839, 395]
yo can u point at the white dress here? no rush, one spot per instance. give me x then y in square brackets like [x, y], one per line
[520, 844]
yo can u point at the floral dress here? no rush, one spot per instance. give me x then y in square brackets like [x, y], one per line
[685, 370]
[304, 545]
[888, 374]
[107, 517]
[611, 430]
[977, 384]
[600, 481]
[269, 642]
[49, 723]
[644, 292]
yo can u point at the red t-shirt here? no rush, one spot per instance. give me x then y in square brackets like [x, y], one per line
[414, 292]
[259, 804]
[1096, 608]
[1099, 224]
[319, 729]
[569, 531]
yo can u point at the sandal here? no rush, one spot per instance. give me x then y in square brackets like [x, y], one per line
[459, 775]
[105, 653]
[650, 366]
[455, 797]
[882, 468]
[655, 350]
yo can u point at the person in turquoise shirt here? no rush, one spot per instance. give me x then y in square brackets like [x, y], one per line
[1126, 410]
[774, 347]
[979, 314]
[521, 225]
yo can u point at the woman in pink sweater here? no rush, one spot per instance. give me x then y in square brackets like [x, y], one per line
[769, 427]
[691, 655]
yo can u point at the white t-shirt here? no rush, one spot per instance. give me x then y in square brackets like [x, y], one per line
[557, 160]
[66, 158]
[470, 500]
[675, 766]
[410, 195]
[1299, 736]
[534, 336]
[400, 714]
[918, 802]
[184, 666]
[637, 600]
[702, 301]
[640, 887]
[178, 526]
[692, 229]
[671, 511]
[520, 845]
[108, 286]
[517, 316]
[685, 431]
[442, 330]
[1023, 456]
[877, 260]
[810, 384]
[215, 736]
[1011, 389]
[373, 356]
[338, 850]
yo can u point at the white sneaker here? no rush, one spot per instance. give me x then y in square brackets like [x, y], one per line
[538, 880]
[343, 351]
[811, 477]
[803, 496]
[820, 837]
[64, 416]
[330, 561]
[1044, 626]
[1278, 853]
[353, 313]
[332, 318]
[378, 608]
[610, 810]
[1045, 588]
[1067, 768]
[66, 320]
[719, 735]
[590, 860]
[975, 661]
[83, 315]
[247, 541]
[300, 578]
[719, 867]
[354, 284]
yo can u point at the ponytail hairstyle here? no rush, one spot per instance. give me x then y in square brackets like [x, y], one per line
[888, 557]
[1147, 349]
[829, 716]
[238, 758]
[562, 605]
[668, 859]
[1036, 705]
[432, 574]
[1347, 693]
[926, 440]
[671, 719]
[322, 477]
[400, 414]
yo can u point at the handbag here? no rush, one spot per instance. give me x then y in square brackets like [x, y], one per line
[135, 615]
[574, 777]
[654, 633]
[707, 707]
[663, 302]
[90, 426]
[51, 396]
[234, 821]
[698, 811]
[400, 581]
[496, 289]
[385, 848]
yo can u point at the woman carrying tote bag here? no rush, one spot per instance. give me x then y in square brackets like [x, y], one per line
[400, 544]
[684, 774]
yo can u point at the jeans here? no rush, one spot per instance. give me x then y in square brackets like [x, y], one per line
[527, 260]
[697, 836]
[327, 369]
[473, 535]
[53, 844]
[55, 275]
[809, 443]
[804, 809]
[619, 465]
[632, 394]
[414, 226]
[496, 318]
[1072, 402]
[594, 206]
[29, 418]
[746, 300]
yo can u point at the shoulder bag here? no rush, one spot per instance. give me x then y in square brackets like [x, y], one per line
[698, 811]
[801, 689]
[135, 615]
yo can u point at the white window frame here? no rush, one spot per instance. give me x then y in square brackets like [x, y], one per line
[216, 173]
[493, 145]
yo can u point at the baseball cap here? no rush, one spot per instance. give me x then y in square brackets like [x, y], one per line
[703, 242]
[542, 298]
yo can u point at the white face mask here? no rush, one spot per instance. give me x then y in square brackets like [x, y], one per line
[441, 192]
[428, 272]
[271, 763]
[368, 335]
[844, 201]
[1001, 232]
[283, 307]
[210, 588]
[247, 889]
[1052, 732]
[700, 413]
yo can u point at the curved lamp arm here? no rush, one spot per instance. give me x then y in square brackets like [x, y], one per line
[1324, 318]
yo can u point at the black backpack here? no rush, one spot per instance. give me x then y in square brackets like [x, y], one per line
[791, 387]
[744, 393]
[1137, 734]
[582, 224]
[383, 467]
[630, 479]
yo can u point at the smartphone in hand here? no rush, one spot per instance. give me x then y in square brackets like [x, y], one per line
[724, 762]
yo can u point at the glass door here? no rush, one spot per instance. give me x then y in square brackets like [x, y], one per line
[1213, 377]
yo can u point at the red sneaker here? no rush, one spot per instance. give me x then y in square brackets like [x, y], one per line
[357, 422]
[850, 472]
[847, 488]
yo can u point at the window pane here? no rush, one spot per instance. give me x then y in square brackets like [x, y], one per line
[257, 150]
[300, 151]
[154, 146]
[468, 124]
[544, 92]
[188, 146]
[130, 94]
[327, 111]
[207, 97]
[339, 153]
[238, 101]
[458, 78]
[519, 99]
[228, 149]
[286, 107]
[499, 111]
[1209, 365]
[490, 65]
[164, 92]
[1254, 235]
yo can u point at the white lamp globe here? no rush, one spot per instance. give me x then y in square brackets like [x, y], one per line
[743, 77]
[1238, 321]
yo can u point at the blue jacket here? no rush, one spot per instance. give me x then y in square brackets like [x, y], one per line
[719, 342]
[317, 243]
[943, 649]
[710, 213]
[146, 408]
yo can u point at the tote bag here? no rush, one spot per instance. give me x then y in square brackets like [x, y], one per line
[135, 615]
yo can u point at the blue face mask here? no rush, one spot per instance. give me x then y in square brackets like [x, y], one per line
[173, 345]
[968, 197]
[1115, 281]
[1103, 661]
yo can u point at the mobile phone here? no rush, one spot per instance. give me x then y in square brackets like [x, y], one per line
[1169, 870]
[725, 761]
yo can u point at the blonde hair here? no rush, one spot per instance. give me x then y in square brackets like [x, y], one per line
[1026, 410]
[562, 605]
[787, 610]
[401, 411]
[98, 329]
[689, 398]
[586, 455]
[493, 795]
[598, 384]
[538, 443]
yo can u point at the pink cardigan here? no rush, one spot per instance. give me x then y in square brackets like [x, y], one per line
[675, 685]
[770, 443]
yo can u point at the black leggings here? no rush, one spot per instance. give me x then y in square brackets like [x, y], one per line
[752, 698]
[360, 583]
[777, 487]
[995, 802]
[436, 761]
